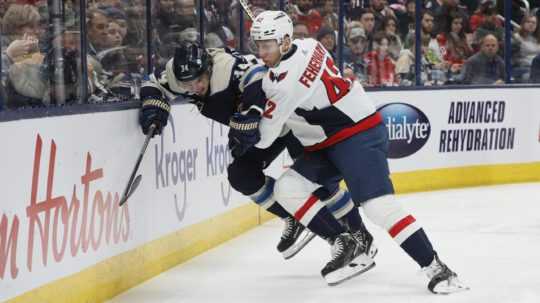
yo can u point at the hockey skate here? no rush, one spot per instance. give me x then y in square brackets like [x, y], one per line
[442, 279]
[366, 242]
[295, 236]
[349, 259]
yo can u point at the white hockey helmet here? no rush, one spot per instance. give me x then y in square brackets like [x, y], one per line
[270, 25]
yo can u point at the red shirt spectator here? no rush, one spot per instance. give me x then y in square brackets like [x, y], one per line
[380, 66]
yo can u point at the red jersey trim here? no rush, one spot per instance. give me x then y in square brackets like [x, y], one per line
[345, 133]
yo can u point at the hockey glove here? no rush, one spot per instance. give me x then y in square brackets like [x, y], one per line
[154, 111]
[243, 133]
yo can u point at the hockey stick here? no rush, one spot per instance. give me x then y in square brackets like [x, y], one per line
[246, 8]
[134, 182]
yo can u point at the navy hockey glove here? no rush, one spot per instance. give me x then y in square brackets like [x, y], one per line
[243, 133]
[154, 111]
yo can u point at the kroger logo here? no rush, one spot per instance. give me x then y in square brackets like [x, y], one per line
[408, 129]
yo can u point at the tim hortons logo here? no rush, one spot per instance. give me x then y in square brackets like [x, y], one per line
[87, 218]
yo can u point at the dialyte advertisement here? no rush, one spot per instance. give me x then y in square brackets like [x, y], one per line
[61, 179]
[451, 128]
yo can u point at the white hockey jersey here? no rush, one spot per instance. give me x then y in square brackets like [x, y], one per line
[307, 94]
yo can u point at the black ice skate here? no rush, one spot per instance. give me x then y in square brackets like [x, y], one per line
[346, 251]
[295, 236]
[366, 242]
[442, 279]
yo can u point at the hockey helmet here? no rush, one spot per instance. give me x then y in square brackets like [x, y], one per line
[270, 25]
[190, 61]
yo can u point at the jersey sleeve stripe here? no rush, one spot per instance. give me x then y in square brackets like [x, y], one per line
[252, 73]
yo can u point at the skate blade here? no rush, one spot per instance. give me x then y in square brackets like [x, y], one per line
[449, 287]
[302, 241]
[373, 250]
[362, 264]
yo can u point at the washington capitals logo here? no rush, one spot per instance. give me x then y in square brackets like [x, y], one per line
[277, 78]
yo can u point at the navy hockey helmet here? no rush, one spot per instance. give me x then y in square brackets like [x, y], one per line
[190, 61]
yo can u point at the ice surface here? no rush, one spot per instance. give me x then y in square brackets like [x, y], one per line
[489, 235]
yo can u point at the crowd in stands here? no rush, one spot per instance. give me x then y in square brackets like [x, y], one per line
[462, 42]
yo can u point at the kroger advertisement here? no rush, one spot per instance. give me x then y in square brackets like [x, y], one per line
[452, 128]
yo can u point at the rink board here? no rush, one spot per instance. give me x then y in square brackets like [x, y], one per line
[64, 240]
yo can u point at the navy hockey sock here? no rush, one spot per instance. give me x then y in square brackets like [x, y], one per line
[278, 210]
[419, 248]
[354, 221]
[413, 240]
[325, 225]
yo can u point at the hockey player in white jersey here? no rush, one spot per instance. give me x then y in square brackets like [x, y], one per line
[221, 83]
[343, 135]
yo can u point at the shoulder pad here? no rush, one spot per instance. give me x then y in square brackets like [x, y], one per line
[222, 69]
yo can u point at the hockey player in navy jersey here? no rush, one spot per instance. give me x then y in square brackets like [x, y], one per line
[223, 83]
[343, 136]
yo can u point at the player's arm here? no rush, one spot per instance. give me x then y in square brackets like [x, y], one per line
[155, 108]
[244, 126]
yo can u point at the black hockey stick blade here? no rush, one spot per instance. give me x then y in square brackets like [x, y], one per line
[133, 182]
[132, 189]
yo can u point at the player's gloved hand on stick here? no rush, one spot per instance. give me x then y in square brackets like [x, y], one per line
[154, 111]
[243, 133]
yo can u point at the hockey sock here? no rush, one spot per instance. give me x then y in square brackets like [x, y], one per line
[354, 221]
[278, 210]
[388, 213]
[418, 247]
[325, 225]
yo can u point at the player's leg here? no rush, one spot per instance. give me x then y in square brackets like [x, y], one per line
[292, 189]
[246, 176]
[367, 177]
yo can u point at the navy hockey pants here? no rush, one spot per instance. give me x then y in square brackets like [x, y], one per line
[360, 160]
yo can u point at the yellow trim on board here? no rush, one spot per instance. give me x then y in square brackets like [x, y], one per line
[444, 178]
[119, 273]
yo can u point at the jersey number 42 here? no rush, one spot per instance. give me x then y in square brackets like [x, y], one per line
[336, 86]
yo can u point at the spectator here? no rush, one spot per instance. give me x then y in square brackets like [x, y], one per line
[367, 19]
[380, 66]
[186, 14]
[381, 11]
[327, 37]
[329, 16]
[119, 17]
[97, 25]
[300, 31]
[405, 66]
[486, 67]
[454, 46]
[433, 5]
[528, 41]
[407, 19]
[486, 8]
[390, 29]
[449, 7]
[490, 25]
[43, 79]
[303, 11]
[20, 33]
[354, 54]
[430, 46]
[535, 70]
[114, 35]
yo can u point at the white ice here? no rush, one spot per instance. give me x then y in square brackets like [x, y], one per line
[489, 235]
